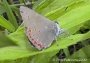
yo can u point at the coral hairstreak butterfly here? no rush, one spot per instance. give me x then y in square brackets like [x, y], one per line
[40, 30]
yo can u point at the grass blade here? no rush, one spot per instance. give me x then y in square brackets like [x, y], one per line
[10, 14]
[6, 24]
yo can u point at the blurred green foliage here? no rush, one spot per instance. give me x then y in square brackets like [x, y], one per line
[72, 15]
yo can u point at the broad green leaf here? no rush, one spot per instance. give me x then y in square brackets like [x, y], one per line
[59, 44]
[55, 8]
[74, 18]
[11, 53]
[58, 8]
[56, 4]
[51, 51]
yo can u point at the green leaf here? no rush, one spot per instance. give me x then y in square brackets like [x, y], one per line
[56, 8]
[5, 41]
[6, 24]
[21, 1]
[75, 18]
[42, 5]
[61, 43]
[49, 52]
[11, 53]
[36, 4]
[1, 10]
[10, 14]
[70, 21]
[16, 10]
[55, 11]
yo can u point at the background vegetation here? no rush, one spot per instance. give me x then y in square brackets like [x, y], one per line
[72, 15]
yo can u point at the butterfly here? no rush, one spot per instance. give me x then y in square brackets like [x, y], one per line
[40, 31]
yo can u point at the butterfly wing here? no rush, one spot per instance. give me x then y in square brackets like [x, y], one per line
[40, 30]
